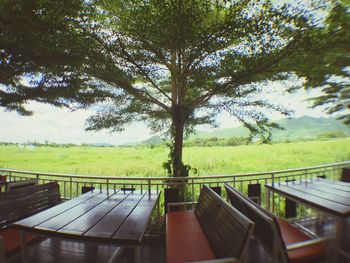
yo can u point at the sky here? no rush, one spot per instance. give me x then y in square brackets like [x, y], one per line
[61, 125]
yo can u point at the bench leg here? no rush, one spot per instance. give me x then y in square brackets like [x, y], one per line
[117, 252]
[137, 254]
[2, 250]
[23, 246]
[340, 228]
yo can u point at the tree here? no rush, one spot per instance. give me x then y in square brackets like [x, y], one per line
[42, 55]
[328, 60]
[176, 64]
[336, 85]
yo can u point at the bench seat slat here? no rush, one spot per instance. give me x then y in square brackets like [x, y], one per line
[214, 230]
[292, 235]
[185, 238]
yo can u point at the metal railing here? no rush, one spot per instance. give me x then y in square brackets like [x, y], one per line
[70, 185]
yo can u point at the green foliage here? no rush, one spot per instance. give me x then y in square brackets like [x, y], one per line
[332, 135]
[328, 61]
[214, 141]
[43, 56]
[174, 64]
[177, 64]
[141, 161]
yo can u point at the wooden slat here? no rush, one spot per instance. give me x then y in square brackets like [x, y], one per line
[305, 188]
[265, 229]
[109, 225]
[133, 228]
[89, 219]
[326, 189]
[312, 201]
[96, 217]
[221, 224]
[23, 202]
[54, 211]
[57, 222]
[346, 184]
[332, 185]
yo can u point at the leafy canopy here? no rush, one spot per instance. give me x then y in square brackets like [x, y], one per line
[195, 59]
[43, 55]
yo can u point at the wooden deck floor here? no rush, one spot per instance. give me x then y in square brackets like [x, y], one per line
[153, 251]
[54, 250]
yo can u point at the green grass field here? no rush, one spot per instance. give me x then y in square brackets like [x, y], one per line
[118, 161]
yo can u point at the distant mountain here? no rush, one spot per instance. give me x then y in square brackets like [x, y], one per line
[154, 140]
[295, 128]
[308, 127]
[302, 127]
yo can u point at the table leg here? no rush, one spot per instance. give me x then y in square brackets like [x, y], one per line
[137, 254]
[267, 199]
[2, 250]
[117, 252]
[339, 236]
[22, 234]
[158, 214]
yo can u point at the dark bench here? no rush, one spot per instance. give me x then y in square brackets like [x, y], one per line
[21, 184]
[18, 204]
[214, 230]
[283, 241]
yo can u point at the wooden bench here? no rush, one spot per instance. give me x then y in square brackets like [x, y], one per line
[283, 241]
[18, 204]
[214, 230]
[20, 184]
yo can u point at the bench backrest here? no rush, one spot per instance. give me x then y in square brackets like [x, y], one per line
[227, 230]
[20, 184]
[23, 202]
[266, 229]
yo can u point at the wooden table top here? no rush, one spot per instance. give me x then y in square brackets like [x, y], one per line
[332, 197]
[119, 217]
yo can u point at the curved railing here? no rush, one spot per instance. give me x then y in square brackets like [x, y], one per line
[70, 185]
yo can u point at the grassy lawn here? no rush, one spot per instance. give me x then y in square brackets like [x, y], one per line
[140, 161]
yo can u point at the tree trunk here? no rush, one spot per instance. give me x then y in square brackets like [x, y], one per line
[178, 130]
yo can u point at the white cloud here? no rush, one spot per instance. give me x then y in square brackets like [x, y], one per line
[63, 126]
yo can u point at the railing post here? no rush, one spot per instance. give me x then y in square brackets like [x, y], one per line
[149, 189]
[71, 187]
[107, 187]
[192, 182]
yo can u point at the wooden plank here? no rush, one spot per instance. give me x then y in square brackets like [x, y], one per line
[312, 201]
[326, 189]
[20, 203]
[133, 228]
[264, 225]
[54, 211]
[333, 185]
[88, 220]
[221, 223]
[346, 184]
[57, 222]
[308, 189]
[108, 225]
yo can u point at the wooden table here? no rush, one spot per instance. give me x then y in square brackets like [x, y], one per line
[326, 196]
[118, 217]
